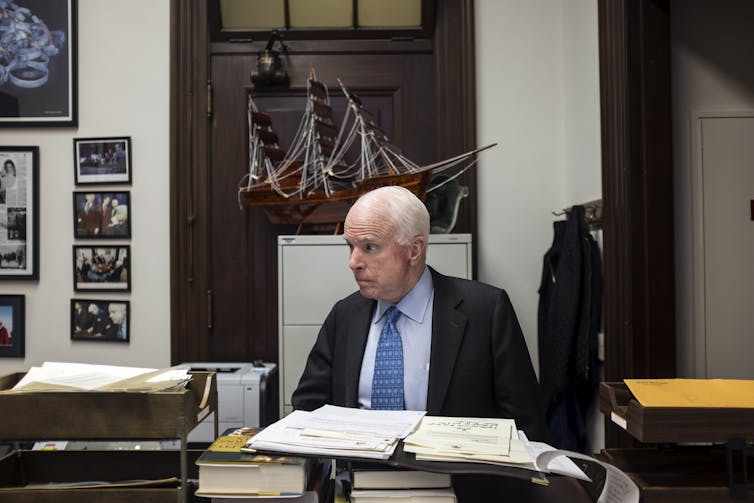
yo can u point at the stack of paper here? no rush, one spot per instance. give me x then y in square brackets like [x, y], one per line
[467, 439]
[338, 431]
[60, 376]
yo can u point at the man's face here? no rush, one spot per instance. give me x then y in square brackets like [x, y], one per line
[380, 265]
[116, 314]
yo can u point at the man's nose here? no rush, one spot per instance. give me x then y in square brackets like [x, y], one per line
[354, 260]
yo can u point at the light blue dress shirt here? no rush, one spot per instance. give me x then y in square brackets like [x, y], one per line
[415, 326]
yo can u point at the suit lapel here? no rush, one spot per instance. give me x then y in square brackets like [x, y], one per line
[357, 331]
[448, 325]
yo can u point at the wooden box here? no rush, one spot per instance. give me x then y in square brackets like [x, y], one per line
[22, 473]
[673, 424]
[105, 415]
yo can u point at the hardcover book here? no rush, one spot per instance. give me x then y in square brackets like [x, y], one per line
[404, 496]
[228, 468]
[387, 477]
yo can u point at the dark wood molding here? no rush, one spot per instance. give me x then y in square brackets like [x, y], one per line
[637, 191]
[321, 47]
[455, 73]
[188, 154]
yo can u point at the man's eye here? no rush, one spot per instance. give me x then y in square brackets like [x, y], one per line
[370, 247]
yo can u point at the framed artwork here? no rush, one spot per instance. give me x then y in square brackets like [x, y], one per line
[12, 326]
[100, 320]
[102, 160]
[102, 268]
[19, 213]
[38, 63]
[101, 215]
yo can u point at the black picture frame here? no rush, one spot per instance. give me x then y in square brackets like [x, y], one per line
[102, 161]
[19, 213]
[102, 268]
[100, 320]
[95, 222]
[39, 82]
[12, 326]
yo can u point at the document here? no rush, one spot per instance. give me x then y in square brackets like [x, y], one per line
[338, 431]
[723, 393]
[618, 488]
[62, 376]
[81, 376]
[464, 435]
[374, 423]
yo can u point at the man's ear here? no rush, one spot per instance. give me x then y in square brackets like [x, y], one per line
[417, 249]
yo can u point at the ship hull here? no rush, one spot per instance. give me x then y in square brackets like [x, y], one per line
[319, 208]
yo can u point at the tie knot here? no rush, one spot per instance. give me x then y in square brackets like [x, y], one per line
[391, 315]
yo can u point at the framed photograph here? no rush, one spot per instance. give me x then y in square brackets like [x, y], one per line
[38, 58]
[102, 160]
[101, 215]
[100, 320]
[102, 268]
[12, 326]
[19, 213]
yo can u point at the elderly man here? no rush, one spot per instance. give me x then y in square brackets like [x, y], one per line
[463, 353]
[116, 327]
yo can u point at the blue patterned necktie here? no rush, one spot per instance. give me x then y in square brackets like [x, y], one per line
[387, 382]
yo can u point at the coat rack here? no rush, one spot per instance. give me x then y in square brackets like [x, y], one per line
[592, 213]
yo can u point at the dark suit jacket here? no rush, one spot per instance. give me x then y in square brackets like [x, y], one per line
[479, 362]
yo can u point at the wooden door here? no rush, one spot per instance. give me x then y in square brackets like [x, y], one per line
[242, 243]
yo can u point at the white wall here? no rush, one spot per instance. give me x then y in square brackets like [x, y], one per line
[711, 72]
[538, 98]
[123, 83]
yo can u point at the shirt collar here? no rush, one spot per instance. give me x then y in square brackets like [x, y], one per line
[414, 304]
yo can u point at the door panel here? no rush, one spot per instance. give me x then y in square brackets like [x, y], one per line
[728, 189]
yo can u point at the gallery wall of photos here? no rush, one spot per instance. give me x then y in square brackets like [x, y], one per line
[101, 253]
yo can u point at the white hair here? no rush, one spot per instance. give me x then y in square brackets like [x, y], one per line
[402, 208]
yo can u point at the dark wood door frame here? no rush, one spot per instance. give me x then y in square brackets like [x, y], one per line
[637, 192]
[189, 154]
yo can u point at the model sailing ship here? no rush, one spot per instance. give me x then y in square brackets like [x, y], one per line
[328, 167]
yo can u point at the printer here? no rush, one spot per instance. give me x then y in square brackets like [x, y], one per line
[247, 395]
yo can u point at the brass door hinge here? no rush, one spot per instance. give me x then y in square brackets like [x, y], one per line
[209, 99]
[209, 309]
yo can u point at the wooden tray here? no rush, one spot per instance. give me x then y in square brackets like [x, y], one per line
[20, 469]
[673, 424]
[678, 474]
[105, 415]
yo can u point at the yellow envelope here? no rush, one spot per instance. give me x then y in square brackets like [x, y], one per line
[726, 393]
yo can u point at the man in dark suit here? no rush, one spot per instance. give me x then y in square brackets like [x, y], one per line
[463, 350]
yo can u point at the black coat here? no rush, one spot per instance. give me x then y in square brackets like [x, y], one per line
[569, 317]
